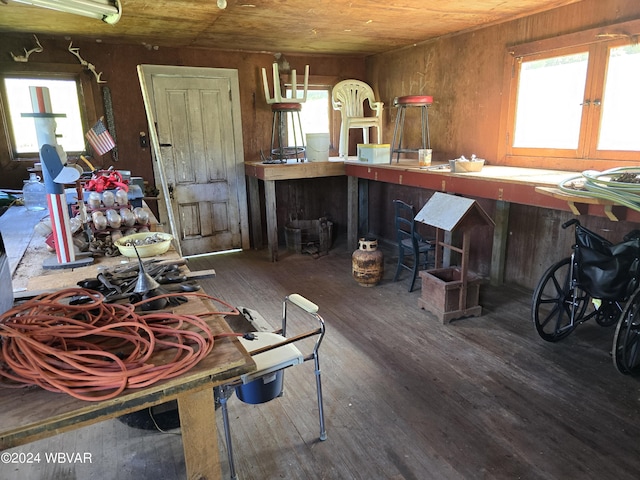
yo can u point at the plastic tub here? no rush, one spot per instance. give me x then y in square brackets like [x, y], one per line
[159, 244]
[458, 166]
[318, 147]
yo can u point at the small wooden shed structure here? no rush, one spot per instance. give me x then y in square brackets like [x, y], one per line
[451, 292]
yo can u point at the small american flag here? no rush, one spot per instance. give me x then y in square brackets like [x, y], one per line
[100, 139]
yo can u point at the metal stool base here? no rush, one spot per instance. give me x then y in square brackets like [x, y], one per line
[423, 102]
[279, 152]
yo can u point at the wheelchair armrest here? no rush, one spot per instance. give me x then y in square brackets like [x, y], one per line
[633, 234]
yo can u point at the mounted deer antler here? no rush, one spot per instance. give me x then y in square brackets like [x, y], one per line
[85, 64]
[25, 58]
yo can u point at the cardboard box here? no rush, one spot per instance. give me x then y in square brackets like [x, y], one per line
[374, 152]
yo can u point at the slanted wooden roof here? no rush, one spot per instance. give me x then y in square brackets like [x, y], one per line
[451, 212]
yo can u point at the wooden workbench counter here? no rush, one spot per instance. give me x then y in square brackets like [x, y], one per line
[525, 186]
[293, 170]
[270, 173]
[503, 184]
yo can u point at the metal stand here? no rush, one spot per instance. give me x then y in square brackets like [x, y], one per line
[280, 152]
[421, 101]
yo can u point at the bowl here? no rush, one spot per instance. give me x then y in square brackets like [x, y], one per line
[148, 244]
[460, 166]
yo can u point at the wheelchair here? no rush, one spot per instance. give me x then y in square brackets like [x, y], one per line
[626, 349]
[598, 281]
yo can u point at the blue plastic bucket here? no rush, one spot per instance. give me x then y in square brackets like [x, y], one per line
[262, 389]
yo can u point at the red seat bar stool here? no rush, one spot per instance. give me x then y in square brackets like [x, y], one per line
[280, 152]
[422, 101]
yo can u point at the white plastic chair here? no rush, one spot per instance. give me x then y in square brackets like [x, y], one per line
[348, 96]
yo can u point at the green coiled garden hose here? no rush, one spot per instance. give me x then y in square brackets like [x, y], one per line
[617, 185]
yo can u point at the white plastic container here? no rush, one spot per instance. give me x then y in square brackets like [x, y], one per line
[374, 152]
[318, 147]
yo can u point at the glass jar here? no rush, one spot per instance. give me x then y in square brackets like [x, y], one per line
[94, 200]
[108, 199]
[122, 198]
[34, 193]
[128, 218]
[114, 218]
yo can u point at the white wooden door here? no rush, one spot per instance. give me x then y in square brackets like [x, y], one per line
[200, 162]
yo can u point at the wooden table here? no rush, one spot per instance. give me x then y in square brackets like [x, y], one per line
[31, 414]
[16, 225]
[269, 173]
[504, 184]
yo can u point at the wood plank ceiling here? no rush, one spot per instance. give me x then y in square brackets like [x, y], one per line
[338, 27]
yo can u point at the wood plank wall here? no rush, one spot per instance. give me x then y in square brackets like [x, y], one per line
[118, 66]
[381, 224]
[464, 74]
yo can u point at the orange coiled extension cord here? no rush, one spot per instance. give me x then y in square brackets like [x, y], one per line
[94, 350]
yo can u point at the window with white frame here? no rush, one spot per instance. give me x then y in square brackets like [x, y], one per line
[65, 100]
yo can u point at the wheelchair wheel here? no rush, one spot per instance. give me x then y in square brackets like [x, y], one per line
[626, 341]
[555, 301]
[608, 313]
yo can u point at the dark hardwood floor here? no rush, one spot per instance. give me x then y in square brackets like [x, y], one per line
[405, 397]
